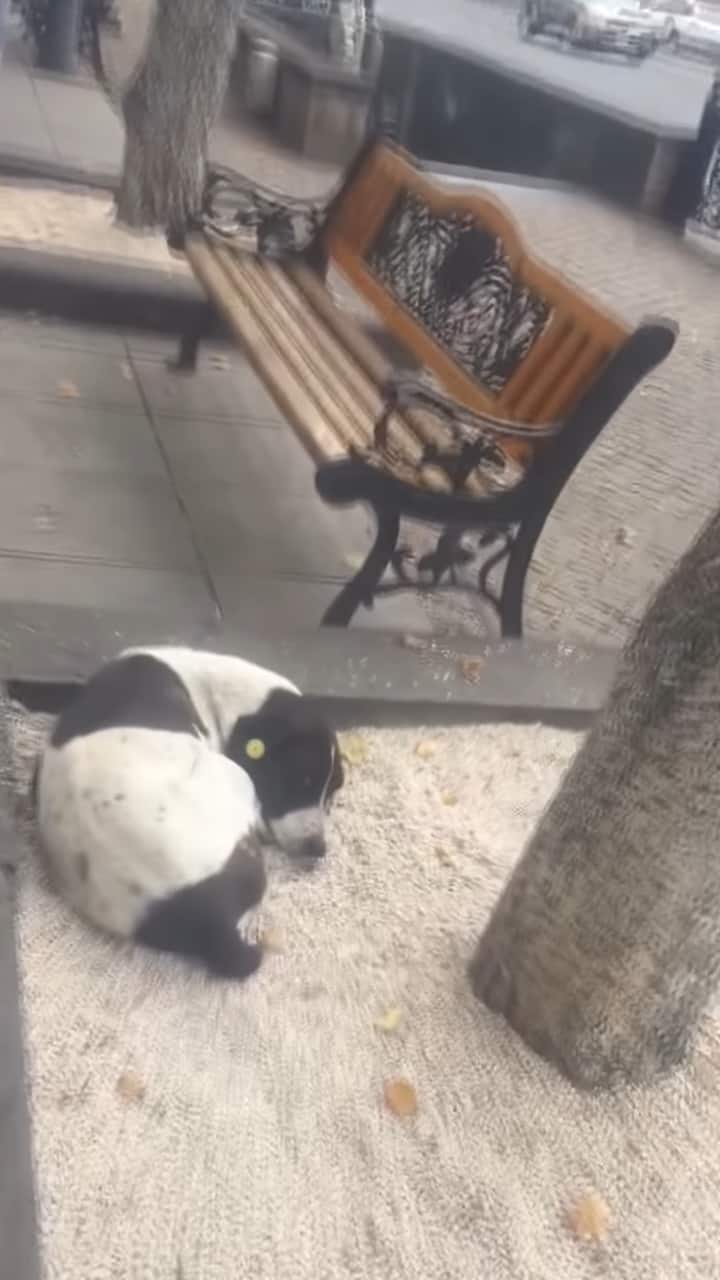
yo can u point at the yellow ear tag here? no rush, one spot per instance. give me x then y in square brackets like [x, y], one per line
[255, 749]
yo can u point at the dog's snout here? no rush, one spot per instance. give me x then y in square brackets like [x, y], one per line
[313, 848]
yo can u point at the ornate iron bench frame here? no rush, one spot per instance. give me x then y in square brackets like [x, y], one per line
[554, 397]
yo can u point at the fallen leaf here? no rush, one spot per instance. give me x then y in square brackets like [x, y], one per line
[272, 940]
[67, 390]
[130, 1087]
[353, 749]
[354, 560]
[471, 668]
[400, 1097]
[449, 798]
[443, 856]
[389, 1021]
[425, 749]
[590, 1218]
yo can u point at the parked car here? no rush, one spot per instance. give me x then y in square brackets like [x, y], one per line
[619, 26]
[686, 26]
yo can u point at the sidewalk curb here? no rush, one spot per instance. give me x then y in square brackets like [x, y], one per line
[102, 292]
[360, 676]
[22, 163]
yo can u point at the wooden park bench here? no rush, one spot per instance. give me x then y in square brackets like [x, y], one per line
[516, 371]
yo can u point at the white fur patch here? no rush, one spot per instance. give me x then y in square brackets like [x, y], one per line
[128, 816]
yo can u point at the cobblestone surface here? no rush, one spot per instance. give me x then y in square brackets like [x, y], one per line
[648, 483]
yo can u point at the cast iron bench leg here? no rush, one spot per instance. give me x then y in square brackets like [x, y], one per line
[186, 360]
[513, 587]
[361, 589]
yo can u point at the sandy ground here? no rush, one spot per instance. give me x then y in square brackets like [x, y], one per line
[189, 1129]
[77, 221]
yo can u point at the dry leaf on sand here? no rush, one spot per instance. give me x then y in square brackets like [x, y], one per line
[130, 1087]
[353, 749]
[67, 390]
[389, 1021]
[590, 1218]
[400, 1097]
[272, 940]
[449, 798]
[425, 749]
[354, 560]
[444, 856]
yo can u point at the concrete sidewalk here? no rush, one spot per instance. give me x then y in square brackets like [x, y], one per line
[628, 513]
[65, 129]
[56, 126]
[128, 487]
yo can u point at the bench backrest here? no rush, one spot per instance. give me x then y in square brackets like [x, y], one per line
[449, 274]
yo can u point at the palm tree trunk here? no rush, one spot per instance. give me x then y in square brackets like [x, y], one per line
[604, 949]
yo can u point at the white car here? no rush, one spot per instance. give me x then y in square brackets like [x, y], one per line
[685, 26]
[618, 26]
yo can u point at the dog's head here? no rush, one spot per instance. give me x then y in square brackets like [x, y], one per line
[293, 758]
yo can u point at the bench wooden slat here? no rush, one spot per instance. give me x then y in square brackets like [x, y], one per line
[427, 429]
[355, 387]
[529, 407]
[327, 417]
[317, 359]
[257, 341]
[587, 365]
[559, 327]
[308, 360]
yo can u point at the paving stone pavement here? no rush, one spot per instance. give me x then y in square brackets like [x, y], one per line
[646, 486]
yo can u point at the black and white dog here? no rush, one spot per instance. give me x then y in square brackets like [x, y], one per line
[159, 782]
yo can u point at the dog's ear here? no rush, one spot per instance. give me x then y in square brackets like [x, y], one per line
[284, 715]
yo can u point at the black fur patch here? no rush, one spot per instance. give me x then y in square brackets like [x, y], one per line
[301, 760]
[200, 922]
[137, 692]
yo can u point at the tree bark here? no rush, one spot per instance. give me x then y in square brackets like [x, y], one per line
[604, 949]
[169, 109]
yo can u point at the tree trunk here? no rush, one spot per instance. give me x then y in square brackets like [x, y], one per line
[604, 949]
[169, 109]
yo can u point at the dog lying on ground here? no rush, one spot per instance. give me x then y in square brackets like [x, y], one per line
[159, 784]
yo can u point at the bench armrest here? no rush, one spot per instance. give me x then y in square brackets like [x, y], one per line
[474, 435]
[407, 392]
[233, 205]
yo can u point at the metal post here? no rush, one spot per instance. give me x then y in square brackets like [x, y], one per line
[58, 49]
[4, 24]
